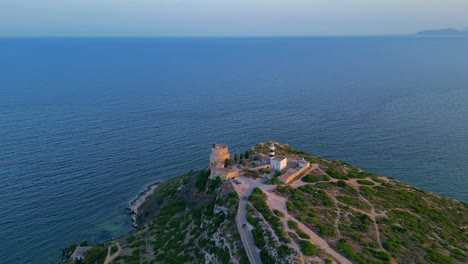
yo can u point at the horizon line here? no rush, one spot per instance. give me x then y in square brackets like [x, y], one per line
[205, 36]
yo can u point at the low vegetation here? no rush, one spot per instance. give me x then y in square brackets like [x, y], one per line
[190, 219]
[308, 248]
[293, 225]
[273, 245]
[258, 200]
[364, 217]
[310, 178]
[414, 225]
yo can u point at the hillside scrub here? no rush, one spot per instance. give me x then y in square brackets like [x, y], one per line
[189, 223]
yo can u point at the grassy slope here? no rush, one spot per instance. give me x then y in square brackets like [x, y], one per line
[189, 219]
[415, 225]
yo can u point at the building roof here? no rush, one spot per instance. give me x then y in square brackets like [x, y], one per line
[285, 176]
[279, 158]
[219, 146]
[288, 174]
[79, 252]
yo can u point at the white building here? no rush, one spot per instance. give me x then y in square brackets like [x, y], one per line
[79, 252]
[278, 163]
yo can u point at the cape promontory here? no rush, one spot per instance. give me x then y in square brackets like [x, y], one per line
[274, 204]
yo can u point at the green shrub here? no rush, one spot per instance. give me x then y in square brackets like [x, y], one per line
[292, 224]
[130, 239]
[290, 206]
[311, 178]
[114, 249]
[325, 230]
[278, 213]
[302, 234]
[70, 249]
[286, 189]
[258, 237]
[315, 178]
[341, 183]
[94, 255]
[353, 202]
[381, 255]
[214, 184]
[365, 182]
[307, 248]
[334, 173]
[251, 173]
[367, 192]
[361, 222]
[301, 218]
[201, 180]
[353, 173]
[437, 257]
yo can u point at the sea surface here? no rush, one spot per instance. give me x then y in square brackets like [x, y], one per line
[86, 124]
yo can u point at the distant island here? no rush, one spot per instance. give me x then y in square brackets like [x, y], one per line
[274, 204]
[444, 32]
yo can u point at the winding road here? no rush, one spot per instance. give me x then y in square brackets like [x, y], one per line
[246, 235]
[244, 189]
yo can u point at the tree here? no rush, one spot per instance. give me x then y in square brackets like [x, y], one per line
[69, 250]
[277, 173]
[241, 156]
[94, 254]
[236, 158]
[227, 163]
[246, 155]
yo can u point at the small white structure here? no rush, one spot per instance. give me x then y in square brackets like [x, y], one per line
[302, 163]
[279, 163]
[78, 254]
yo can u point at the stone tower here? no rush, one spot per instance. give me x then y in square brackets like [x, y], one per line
[219, 153]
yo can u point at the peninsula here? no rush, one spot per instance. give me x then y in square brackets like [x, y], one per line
[274, 204]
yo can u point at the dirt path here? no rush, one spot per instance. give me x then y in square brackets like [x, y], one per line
[279, 203]
[338, 221]
[373, 217]
[109, 257]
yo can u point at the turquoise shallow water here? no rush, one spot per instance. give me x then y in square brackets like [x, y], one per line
[86, 124]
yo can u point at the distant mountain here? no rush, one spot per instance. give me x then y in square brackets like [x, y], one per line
[444, 32]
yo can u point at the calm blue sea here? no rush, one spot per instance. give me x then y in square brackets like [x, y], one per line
[86, 124]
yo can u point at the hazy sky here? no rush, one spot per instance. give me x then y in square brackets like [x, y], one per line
[227, 17]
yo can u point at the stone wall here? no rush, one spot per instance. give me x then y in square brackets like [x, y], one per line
[297, 173]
